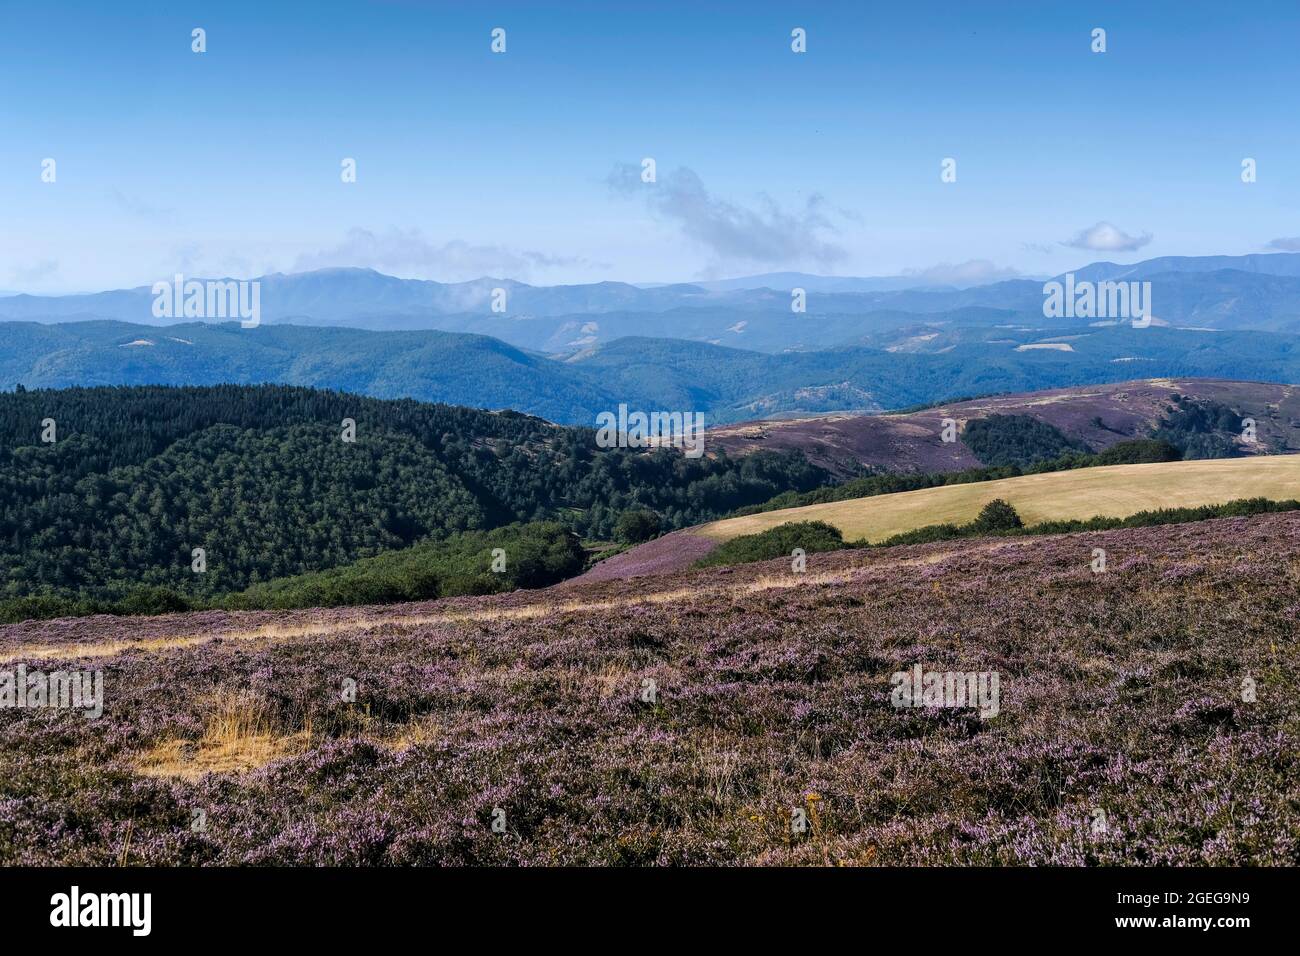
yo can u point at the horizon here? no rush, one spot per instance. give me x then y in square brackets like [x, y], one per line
[650, 284]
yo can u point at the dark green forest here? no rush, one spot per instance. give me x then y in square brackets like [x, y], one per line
[532, 555]
[261, 479]
[1200, 428]
[1015, 440]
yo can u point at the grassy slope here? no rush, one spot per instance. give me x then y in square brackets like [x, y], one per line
[1119, 692]
[1115, 491]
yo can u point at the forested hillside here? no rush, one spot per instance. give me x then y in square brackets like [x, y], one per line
[728, 381]
[261, 479]
[1016, 440]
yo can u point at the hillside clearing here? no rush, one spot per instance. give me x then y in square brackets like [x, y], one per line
[1115, 491]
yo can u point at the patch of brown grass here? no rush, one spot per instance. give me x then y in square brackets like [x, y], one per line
[412, 734]
[239, 736]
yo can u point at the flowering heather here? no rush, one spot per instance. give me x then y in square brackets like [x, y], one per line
[672, 552]
[689, 718]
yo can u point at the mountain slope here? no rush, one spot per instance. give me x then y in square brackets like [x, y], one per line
[1096, 416]
[726, 384]
[465, 370]
[269, 482]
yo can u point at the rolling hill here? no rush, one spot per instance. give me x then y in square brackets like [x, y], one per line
[1095, 416]
[1113, 491]
[268, 483]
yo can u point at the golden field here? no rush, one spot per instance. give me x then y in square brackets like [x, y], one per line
[1114, 491]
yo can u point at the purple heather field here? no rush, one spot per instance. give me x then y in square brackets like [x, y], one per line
[689, 718]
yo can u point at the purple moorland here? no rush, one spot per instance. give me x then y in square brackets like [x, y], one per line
[1148, 714]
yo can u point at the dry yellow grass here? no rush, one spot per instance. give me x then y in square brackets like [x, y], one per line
[238, 736]
[1115, 491]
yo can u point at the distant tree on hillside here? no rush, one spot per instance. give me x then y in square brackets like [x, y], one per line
[997, 515]
[636, 526]
[1016, 440]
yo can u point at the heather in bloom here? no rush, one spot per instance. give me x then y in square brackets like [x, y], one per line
[1147, 715]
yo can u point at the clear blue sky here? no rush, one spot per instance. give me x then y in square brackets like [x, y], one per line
[473, 163]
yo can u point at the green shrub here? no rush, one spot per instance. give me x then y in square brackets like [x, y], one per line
[1201, 428]
[636, 526]
[1239, 508]
[996, 516]
[778, 542]
[535, 555]
[152, 600]
[1139, 451]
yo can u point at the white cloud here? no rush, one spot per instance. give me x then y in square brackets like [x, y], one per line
[1104, 237]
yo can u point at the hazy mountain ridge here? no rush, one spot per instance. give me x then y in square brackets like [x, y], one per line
[727, 384]
[1224, 292]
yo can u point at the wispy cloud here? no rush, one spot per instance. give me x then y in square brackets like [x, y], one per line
[35, 273]
[409, 252]
[135, 206]
[970, 272]
[764, 233]
[1104, 237]
[1284, 244]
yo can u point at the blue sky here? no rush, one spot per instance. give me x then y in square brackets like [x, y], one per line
[472, 163]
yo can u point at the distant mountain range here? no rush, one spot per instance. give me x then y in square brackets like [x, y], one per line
[902, 367]
[1259, 292]
[785, 281]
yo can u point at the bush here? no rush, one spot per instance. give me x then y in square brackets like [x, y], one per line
[778, 542]
[636, 526]
[1238, 508]
[996, 516]
[42, 607]
[536, 555]
[152, 600]
[1201, 428]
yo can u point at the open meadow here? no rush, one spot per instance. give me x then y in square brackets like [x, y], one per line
[1114, 491]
